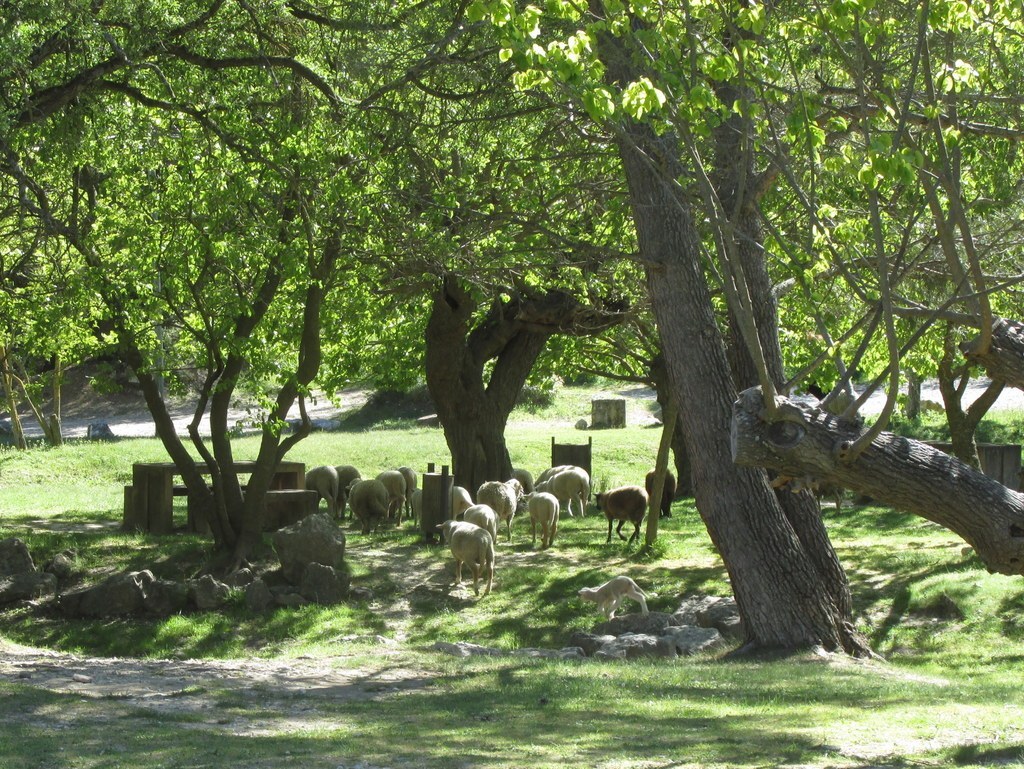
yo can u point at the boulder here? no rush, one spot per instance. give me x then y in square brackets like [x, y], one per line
[118, 595]
[589, 642]
[99, 431]
[650, 624]
[635, 645]
[61, 566]
[314, 539]
[27, 586]
[15, 558]
[164, 597]
[258, 597]
[207, 593]
[724, 616]
[324, 584]
[465, 649]
[693, 640]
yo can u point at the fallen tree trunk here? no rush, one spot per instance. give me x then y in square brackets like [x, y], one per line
[1004, 358]
[808, 446]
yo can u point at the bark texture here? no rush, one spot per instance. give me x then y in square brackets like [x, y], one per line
[808, 445]
[1004, 358]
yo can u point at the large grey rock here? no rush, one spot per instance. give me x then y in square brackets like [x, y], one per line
[258, 597]
[62, 566]
[589, 642]
[14, 557]
[99, 431]
[116, 596]
[164, 597]
[635, 645]
[207, 593]
[324, 584]
[465, 649]
[27, 586]
[651, 624]
[724, 616]
[314, 539]
[689, 639]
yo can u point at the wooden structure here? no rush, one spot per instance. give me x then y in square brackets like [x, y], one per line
[149, 501]
[578, 454]
[1000, 461]
[607, 413]
[436, 507]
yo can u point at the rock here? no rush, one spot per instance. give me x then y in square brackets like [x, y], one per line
[589, 642]
[240, 578]
[693, 640]
[571, 652]
[581, 424]
[324, 584]
[465, 649]
[362, 594]
[207, 593]
[99, 431]
[691, 606]
[15, 558]
[258, 597]
[289, 598]
[635, 645]
[164, 597]
[118, 595]
[61, 566]
[27, 586]
[651, 624]
[724, 616]
[314, 539]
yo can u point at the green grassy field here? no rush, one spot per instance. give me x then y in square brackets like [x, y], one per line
[947, 694]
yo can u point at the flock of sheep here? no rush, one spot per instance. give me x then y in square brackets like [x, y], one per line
[472, 529]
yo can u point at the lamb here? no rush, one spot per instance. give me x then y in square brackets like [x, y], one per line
[668, 491]
[461, 501]
[525, 478]
[502, 498]
[410, 486]
[568, 484]
[484, 517]
[550, 472]
[473, 545]
[394, 482]
[369, 500]
[347, 475]
[625, 503]
[324, 481]
[609, 595]
[416, 504]
[544, 510]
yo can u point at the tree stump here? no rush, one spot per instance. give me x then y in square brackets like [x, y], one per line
[607, 413]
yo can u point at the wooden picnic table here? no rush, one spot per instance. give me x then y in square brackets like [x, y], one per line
[149, 501]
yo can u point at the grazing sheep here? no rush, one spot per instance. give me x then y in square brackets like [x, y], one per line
[525, 478]
[324, 481]
[473, 545]
[369, 501]
[394, 482]
[668, 491]
[550, 472]
[484, 517]
[544, 510]
[347, 475]
[502, 498]
[569, 484]
[410, 486]
[461, 501]
[416, 505]
[626, 503]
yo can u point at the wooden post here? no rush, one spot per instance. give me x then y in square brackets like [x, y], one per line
[661, 465]
[437, 501]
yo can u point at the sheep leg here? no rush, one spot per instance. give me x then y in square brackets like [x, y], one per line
[637, 596]
[618, 529]
[476, 578]
[458, 572]
[610, 522]
[636, 533]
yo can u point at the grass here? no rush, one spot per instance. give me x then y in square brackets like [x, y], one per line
[948, 695]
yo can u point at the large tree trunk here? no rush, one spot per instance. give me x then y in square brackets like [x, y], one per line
[1004, 358]
[809, 446]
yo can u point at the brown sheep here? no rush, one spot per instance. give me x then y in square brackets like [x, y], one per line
[668, 491]
[626, 503]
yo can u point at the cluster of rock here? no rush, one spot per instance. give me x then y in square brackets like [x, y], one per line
[701, 624]
[312, 571]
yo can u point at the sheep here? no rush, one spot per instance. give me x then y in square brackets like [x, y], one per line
[347, 475]
[484, 517]
[567, 485]
[416, 504]
[473, 545]
[625, 503]
[502, 498]
[369, 501]
[410, 486]
[550, 472]
[461, 501]
[525, 477]
[668, 491]
[394, 482]
[544, 510]
[324, 481]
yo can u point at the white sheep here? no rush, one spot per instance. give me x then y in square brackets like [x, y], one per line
[461, 501]
[416, 505]
[502, 498]
[484, 517]
[550, 472]
[369, 501]
[625, 503]
[544, 510]
[570, 484]
[324, 481]
[394, 482]
[410, 486]
[473, 545]
[347, 476]
[525, 478]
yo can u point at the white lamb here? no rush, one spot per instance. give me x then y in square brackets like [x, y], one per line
[502, 498]
[461, 501]
[473, 545]
[324, 481]
[369, 500]
[394, 482]
[347, 476]
[549, 472]
[416, 504]
[544, 510]
[568, 485]
[484, 517]
[410, 486]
